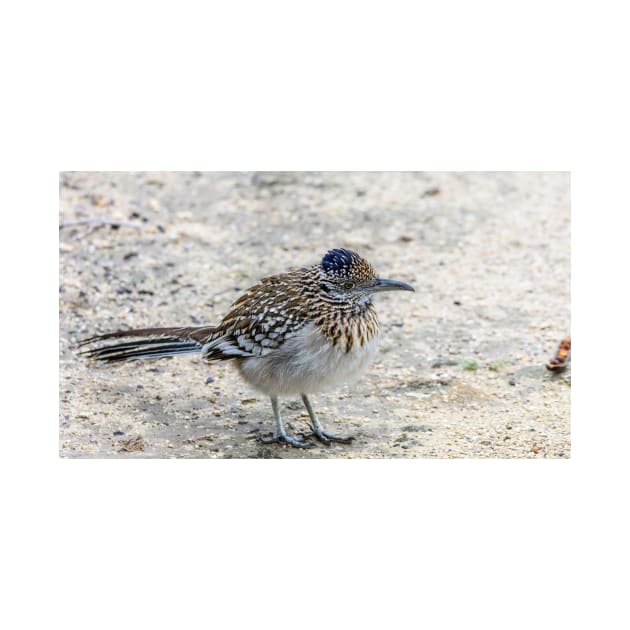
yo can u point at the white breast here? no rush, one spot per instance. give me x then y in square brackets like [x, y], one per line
[307, 363]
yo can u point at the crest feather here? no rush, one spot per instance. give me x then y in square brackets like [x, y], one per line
[347, 264]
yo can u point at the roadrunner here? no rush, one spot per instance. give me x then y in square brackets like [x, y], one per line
[296, 333]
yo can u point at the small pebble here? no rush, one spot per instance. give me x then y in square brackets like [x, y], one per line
[431, 192]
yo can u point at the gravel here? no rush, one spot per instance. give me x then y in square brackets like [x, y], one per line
[462, 360]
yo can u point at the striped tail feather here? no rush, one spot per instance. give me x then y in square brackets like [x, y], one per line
[146, 343]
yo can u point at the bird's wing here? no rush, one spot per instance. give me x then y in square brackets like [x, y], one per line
[258, 322]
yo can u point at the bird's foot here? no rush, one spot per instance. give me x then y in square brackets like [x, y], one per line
[327, 438]
[284, 437]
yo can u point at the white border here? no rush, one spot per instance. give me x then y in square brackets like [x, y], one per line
[446, 86]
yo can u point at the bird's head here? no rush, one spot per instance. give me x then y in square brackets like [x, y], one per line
[346, 276]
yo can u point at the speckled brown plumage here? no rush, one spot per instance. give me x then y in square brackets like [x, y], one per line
[296, 332]
[279, 306]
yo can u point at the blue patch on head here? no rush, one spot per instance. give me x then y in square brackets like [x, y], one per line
[339, 261]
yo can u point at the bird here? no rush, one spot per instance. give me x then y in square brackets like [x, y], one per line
[292, 334]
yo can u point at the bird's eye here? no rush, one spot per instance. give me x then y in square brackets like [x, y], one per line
[348, 285]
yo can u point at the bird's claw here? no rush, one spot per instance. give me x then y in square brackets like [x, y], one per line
[327, 438]
[283, 437]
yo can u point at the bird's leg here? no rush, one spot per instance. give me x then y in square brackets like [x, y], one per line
[280, 435]
[318, 429]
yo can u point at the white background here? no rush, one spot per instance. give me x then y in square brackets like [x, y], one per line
[326, 85]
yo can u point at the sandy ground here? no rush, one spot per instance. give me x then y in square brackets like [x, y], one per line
[461, 368]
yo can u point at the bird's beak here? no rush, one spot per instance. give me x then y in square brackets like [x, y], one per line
[382, 284]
